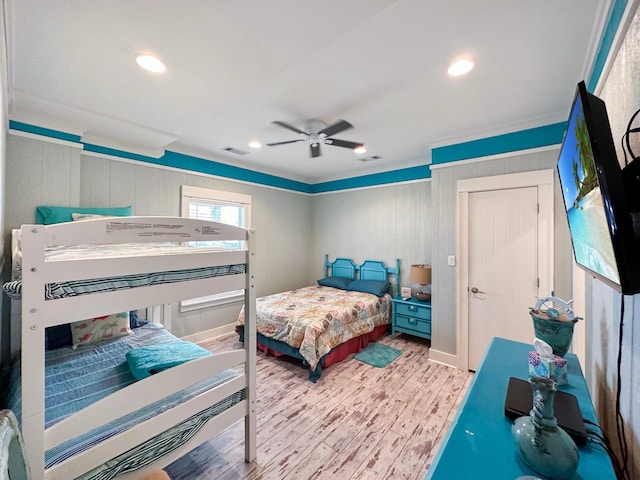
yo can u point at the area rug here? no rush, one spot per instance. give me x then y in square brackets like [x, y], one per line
[378, 355]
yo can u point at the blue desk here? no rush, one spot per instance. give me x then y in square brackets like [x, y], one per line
[479, 445]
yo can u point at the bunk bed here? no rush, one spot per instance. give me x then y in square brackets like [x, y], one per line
[77, 271]
[326, 323]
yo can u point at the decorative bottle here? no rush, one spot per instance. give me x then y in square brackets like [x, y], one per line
[542, 445]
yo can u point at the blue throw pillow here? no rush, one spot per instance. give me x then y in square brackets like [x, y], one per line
[48, 215]
[335, 282]
[376, 287]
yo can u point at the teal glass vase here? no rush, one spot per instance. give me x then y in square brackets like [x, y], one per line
[553, 322]
[557, 333]
[541, 444]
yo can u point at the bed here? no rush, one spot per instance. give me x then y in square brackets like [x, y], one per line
[325, 323]
[86, 411]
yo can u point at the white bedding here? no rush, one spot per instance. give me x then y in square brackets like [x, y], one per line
[85, 252]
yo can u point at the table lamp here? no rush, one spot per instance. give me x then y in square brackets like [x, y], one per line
[421, 282]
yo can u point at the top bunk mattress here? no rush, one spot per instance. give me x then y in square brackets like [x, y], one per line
[111, 251]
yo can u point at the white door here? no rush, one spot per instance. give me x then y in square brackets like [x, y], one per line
[503, 267]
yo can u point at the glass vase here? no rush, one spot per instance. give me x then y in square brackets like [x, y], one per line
[542, 445]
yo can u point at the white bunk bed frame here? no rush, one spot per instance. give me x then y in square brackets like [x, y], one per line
[38, 313]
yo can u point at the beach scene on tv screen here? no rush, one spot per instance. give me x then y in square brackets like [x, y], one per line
[583, 200]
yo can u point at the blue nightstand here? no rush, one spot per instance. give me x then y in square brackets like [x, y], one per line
[411, 316]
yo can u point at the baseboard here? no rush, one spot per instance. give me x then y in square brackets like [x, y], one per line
[443, 358]
[211, 333]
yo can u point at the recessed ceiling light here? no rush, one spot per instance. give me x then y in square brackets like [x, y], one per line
[460, 67]
[151, 63]
[255, 144]
[360, 149]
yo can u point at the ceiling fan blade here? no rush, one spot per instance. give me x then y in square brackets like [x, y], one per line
[284, 143]
[314, 148]
[342, 143]
[339, 126]
[289, 127]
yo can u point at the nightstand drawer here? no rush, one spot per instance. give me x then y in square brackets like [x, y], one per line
[412, 310]
[413, 323]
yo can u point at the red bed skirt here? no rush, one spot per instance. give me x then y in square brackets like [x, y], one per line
[343, 350]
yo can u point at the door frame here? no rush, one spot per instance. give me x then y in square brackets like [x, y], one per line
[544, 181]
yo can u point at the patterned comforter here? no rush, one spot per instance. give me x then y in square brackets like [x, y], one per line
[316, 319]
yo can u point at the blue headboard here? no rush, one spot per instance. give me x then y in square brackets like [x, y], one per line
[369, 270]
[341, 267]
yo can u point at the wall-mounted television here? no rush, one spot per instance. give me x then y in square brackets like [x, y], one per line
[604, 243]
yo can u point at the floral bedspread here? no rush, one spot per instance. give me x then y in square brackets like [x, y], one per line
[316, 319]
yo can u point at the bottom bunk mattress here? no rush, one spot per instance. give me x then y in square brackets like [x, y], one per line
[76, 378]
[316, 320]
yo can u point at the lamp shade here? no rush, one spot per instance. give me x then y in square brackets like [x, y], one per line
[421, 274]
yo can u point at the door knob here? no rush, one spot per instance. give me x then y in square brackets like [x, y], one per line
[475, 290]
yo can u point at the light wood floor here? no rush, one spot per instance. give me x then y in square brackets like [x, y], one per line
[356, 422]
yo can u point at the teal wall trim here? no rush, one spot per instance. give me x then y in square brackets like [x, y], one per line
[509, 142]
[396, 176]
[196, 164]
[201, 165]
[45, 132]
[172, 159]
[607, 41]
[89, 147]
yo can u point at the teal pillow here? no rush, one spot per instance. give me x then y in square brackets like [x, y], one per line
[376, 287]
[48, 215]
[335, 282]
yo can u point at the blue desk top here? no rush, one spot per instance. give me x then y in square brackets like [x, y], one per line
[479, 444]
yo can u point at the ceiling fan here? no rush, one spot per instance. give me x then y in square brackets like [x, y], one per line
[318, 132]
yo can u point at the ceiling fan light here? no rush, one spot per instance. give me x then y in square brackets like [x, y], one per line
[150, 63]
[460, 67]
[318, 133]
[255, 144]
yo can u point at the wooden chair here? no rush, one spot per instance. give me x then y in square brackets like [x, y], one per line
[12, 463]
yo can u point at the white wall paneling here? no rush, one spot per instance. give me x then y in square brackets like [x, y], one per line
[383, 223]
[41, 172]
[122, 184]
[95, 180]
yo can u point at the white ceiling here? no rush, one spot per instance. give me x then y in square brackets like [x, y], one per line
[235, 66]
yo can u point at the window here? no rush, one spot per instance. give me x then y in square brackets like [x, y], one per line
[218, 206]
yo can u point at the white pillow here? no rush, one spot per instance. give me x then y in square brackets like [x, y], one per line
[93, 330]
